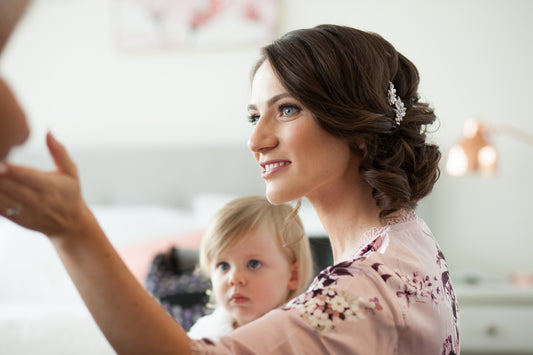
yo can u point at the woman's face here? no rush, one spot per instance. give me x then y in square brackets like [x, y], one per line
[13, 127]
[253, 276]
[297, 156]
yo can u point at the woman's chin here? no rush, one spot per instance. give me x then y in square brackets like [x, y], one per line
[277, 196]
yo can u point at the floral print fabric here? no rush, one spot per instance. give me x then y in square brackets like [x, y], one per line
[393, 296]
[324, 305]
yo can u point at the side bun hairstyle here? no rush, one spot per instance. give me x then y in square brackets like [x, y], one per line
[342, 75]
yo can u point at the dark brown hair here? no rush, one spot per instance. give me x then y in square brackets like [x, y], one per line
[342, 75]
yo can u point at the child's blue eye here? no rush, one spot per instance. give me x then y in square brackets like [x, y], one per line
[223, 266]
[254, 264]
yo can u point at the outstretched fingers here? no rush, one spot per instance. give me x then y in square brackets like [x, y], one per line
[12, 190]
[46, 201]
[61, 158]
[22, 176]
[41, 180]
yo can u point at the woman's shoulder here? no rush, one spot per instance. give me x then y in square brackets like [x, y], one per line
[342, 295]
[390, 270]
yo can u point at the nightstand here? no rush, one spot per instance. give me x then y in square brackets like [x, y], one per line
[495, 318]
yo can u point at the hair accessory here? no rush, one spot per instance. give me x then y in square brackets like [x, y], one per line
[397, 103]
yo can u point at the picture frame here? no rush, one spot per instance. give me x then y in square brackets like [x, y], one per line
[143, 24]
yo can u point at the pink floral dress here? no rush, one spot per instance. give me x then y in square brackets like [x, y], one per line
[394, 296]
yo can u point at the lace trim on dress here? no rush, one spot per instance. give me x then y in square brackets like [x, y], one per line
[406, 215]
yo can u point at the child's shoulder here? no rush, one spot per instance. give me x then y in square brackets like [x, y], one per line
[213, 325]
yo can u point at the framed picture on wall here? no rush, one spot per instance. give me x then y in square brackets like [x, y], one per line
[142, 24]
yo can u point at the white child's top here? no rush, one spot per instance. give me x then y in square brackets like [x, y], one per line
[213, 325]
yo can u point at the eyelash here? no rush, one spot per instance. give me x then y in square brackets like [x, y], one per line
[254, 118]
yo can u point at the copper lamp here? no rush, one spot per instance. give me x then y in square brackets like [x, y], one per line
[475, 152]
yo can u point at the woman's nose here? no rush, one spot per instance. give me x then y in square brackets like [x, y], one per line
[263, 137]
[237, 278]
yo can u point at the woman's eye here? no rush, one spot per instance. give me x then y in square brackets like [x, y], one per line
[253, 119]
[223, 266]
[289, 110]
[254, 264]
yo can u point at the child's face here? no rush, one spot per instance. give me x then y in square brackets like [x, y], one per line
[253, 276]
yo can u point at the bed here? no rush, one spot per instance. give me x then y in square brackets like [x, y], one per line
[146, 201]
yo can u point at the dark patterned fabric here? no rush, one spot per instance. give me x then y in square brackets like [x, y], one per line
[175, 283]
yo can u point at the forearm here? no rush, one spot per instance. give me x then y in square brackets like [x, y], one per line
[132, 321]
[51, 202]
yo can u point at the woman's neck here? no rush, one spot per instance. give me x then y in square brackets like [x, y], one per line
[346, 217]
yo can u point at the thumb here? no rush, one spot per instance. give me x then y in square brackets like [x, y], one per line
[62, 160]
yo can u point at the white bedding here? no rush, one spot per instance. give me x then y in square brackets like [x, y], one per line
[40, 309]
[130, 191]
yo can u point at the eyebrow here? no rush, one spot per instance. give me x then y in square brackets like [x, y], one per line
[272, 100]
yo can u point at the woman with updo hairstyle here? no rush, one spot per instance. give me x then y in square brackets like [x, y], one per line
[336, 119]
[341, 74]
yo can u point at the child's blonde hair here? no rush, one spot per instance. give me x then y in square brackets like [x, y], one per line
[238, 217]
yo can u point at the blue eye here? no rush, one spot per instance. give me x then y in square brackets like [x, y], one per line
[289, 110]
[223, 266]
[254, 264]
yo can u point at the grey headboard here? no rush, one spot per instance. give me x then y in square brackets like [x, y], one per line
[170, 177]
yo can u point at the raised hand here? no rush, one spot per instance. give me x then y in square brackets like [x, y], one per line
[51, 202]
[46, 201]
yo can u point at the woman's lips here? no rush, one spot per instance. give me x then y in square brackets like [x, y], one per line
[273, 166]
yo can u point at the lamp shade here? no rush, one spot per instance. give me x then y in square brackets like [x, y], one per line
[474, 153]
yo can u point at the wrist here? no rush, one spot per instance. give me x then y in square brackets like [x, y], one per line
[79, 225]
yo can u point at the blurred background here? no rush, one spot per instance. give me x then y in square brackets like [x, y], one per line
[74, 76]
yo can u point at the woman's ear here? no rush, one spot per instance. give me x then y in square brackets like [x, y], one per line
[295, 276]
[360, 142]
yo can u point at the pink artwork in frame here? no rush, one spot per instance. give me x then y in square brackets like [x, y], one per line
[195, 23]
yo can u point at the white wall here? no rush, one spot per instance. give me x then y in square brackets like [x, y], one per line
[75, 80]
[474, 57]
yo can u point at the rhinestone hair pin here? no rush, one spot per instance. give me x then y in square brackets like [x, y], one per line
[397, 104]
